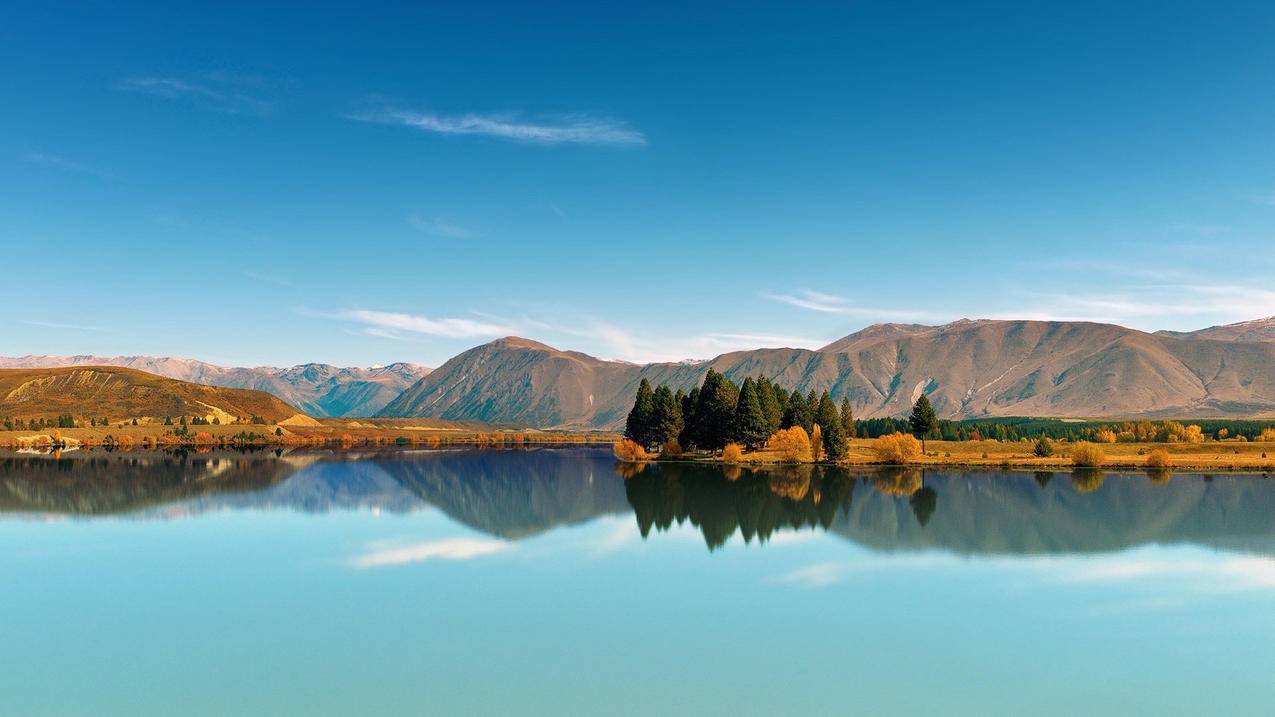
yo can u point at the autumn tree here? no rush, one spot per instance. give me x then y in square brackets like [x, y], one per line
[923, 421]
[637, 427]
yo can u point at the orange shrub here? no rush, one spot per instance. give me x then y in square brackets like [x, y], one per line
[1193, 434]
[629, 451]
[1159, 458]
[1088, 455]
[201, 437]
[732, 453]
[792, 444]
[1106, 435]
[897, 448]
[1268, 434]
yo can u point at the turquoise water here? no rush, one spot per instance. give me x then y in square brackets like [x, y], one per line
[544, 582]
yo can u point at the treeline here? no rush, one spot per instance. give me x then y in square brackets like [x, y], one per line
[69, 421]
[1015, 429]
[719, 413]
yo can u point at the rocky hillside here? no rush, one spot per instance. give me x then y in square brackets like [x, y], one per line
[318, 389]
[118, 393]
[968, 368]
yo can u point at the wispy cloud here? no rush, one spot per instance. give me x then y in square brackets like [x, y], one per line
[628, 345]
[440, 227]
[54, 161]
[217, 91]
[382, 554]
[817, 575]
[395, 325]
[830, 304]
[68, 327]
[569, 129]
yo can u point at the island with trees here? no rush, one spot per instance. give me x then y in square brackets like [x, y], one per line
[760, 422]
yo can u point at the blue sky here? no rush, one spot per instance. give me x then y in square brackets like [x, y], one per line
[365, 184]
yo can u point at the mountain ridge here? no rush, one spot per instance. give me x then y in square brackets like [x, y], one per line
[318, 389]
[968, 368]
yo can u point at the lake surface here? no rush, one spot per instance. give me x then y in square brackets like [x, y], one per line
[546, 582]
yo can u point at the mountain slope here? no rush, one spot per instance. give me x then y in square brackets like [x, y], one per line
[1257, 330]
[318, 389]
[114, 392]
[967, 368]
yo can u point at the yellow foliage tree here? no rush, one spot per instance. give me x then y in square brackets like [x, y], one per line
[1106, 435]
[1159, 458]
[816, 443]
[1088, 455]
[792, 444]
[732, 453]
[897, 448]
[629, 451]
[1268, 434]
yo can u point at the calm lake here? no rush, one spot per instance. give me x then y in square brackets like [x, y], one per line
[546, 582]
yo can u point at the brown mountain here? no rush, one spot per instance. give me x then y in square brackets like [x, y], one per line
[968, 368]
[115, 392]
[1257, 330]
[318, 389]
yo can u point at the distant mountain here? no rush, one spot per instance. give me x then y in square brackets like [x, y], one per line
[317, 389]
[968, 369]
[116, 392]
[1257, 330]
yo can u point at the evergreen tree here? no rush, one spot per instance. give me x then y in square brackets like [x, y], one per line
[749, 421]
[666, 417]
[798, 413]
[637, 427]
[770, 405]
[847, 417]
[834, 435]
[689, 405]
[923, 421]
[715, 411]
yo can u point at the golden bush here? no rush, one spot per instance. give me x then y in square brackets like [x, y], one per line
[1159, 458]
[629, 451]
[1106, 435]
[792, 444]
[1268, 434]
[1088, 455]
[897, 448]
[732, 453]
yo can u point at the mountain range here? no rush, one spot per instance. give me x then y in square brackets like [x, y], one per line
[318, 389]
[969, 369]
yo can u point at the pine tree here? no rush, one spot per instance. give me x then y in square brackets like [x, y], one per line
[749, 424]
[689, 406]
[834, 435]
[847, 418]
[666, 418]
[923, 421]
[715, 411]
[637, 427]
[770, 405]
[799, 413]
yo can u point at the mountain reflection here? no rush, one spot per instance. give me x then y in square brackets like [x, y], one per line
[518, 494]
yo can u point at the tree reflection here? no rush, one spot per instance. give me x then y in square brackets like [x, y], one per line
[1087, 480]
[898, 482]
[756, 503]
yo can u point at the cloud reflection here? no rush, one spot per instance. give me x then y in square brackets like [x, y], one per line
[381, 553]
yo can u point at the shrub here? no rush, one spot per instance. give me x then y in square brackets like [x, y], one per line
[203, 438]
[732, 453]
[897, 448]
[1044, 448]
[1106, 435]
[792, 444]
[629, 451]
[1088, 455]
[1268, 434]
[671, 449]
[1193, 434]
[1159, 458]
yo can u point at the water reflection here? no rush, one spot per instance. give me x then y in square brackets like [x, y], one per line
[517, 494]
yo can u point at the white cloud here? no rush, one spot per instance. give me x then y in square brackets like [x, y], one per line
[816, 575]
[571, 129]
[383, 554]
[439, 228]
[830, 304]
[388, 324]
